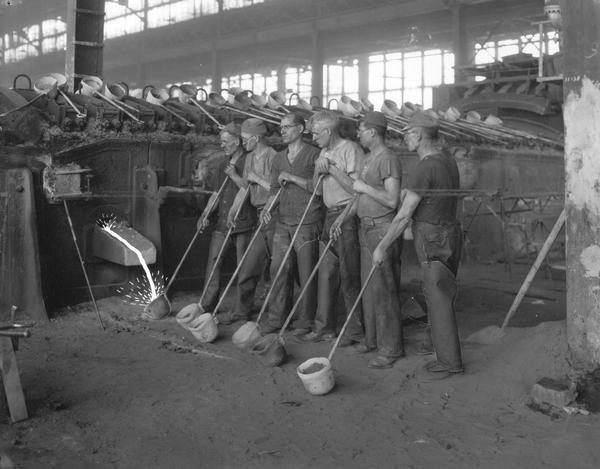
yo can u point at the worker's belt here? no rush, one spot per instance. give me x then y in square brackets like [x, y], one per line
[336, 208]
[368, 221]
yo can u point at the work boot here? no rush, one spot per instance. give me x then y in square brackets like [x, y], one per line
[358, 349]
[381, 363]
[267, 329]
[226, 318]
[317, 337]
[300, 332]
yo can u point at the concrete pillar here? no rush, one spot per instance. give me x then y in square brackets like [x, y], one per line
[581, 37]
[85, 40]
[217, 73]
[462, 47]
[363, 76]
[281, 79]
[317, 66]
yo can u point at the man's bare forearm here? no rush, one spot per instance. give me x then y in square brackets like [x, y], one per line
[344, 179]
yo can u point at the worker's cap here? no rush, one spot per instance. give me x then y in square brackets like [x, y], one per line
[374, 119]
[233, 128]
[254, 126]
[421, 119]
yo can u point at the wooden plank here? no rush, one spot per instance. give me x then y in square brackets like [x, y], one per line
[12, 381]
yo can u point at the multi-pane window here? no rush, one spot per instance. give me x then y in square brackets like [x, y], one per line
[229, 4]
[409, 76]
[258, 83]
[123, 17]
[340, 79]
[54, 35]
[495, 50]
[298, 80]
[22, 44]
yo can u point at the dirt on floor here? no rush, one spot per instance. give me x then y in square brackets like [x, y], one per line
[147, 395]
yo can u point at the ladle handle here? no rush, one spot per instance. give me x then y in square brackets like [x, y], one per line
[70, 103]
[343, 216]
[354, 306]
[246, 252]
[222, 249]
[304, 288]
[206, 212]
[180, 117]
[289, 249]
[116, 106]
[197, 104]
[22, 106]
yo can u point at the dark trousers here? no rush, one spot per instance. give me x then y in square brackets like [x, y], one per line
[339, 272]
[301, 261]
[246, 281]
[259, 256]
[438, 250]
[381, 300]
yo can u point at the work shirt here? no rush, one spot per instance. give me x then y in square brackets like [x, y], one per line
[376, 170]
[347, 157]
[294, 199]
[437, 171]
[247, 217]
[259, 163]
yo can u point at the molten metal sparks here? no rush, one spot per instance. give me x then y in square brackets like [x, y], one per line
[138, 292]
[150, 292]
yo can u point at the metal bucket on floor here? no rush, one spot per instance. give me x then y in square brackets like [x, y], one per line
[158, 308]
[185, 317]
[316, 375]
[204, 328]
[246, 336]
[270, 350]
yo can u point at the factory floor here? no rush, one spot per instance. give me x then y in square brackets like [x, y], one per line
[147, 395]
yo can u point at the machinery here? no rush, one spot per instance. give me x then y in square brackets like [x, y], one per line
[147, 158]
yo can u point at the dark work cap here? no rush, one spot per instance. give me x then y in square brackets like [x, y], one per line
[254, 126]
[233, 128]
[375, 119]
[421, 119]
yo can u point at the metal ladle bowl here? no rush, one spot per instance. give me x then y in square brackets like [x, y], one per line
[246, 336]
[270, 350]
[158, 308]
[204, 328]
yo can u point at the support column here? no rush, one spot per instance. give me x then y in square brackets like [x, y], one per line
[317, 67]
[581, 37]
[462, 47]
[217, 73]
[85, 39]
[363, 76]
[281, 79]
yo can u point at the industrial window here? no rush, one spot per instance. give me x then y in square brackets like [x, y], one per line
[408, 76]
[121, 18]
[340, 79]
[258, 83]
[230, 4]
[298, 80]
[22, 44]
[495, 50]
[54, 35]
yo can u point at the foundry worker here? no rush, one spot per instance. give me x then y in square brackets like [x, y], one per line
[437, 238]
[379, 189]
[257, 176]
[340, 161]
[293, 171]
[232, 168]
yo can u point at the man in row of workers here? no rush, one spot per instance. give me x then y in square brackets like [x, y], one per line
[337, 203]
